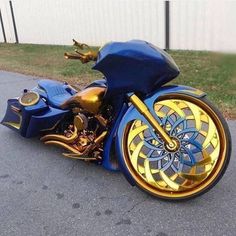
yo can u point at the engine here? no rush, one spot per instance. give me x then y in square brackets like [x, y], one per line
[82, 135]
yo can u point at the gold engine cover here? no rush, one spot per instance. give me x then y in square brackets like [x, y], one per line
[89, 99]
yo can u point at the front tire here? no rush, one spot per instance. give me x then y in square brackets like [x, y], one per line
[201, 159]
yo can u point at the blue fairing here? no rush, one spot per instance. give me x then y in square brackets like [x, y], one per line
[133, 114]
[135, 66]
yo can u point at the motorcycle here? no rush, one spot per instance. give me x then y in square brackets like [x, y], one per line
[168, 140]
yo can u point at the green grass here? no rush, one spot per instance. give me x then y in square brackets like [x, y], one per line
[44, 60]
[211, 72]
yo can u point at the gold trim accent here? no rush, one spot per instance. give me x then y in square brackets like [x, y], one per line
[197, 92]
[13, 124]
[15, 109]
[52, 128]
[76, 157]
[100, 138]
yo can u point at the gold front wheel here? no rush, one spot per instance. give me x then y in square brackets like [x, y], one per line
[202, 153]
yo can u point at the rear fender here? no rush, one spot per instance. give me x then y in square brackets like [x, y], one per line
[133, 114]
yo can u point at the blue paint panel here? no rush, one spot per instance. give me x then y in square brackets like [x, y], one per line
[135, 66]
[44, 120]
[27, 112]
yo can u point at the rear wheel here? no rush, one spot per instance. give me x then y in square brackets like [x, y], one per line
[204, 147]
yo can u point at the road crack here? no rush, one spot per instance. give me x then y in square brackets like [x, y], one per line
[72, 168]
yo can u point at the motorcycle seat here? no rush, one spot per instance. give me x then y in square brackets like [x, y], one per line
[57, 93]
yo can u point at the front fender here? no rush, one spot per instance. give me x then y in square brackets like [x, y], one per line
[133, 114]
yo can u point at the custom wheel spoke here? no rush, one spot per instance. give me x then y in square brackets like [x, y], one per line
[180, 170]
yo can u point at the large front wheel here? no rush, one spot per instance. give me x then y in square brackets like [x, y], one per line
[202, 156]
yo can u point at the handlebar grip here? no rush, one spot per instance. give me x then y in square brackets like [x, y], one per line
[84, 58]
[71, 56]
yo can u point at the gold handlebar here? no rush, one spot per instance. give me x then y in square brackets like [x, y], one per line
[80, 45]
[83, 57]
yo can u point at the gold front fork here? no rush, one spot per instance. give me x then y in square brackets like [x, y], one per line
[143, 109]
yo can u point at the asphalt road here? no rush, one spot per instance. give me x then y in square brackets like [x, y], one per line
[42, 193]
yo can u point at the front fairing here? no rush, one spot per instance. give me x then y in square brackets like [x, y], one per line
[135, 66]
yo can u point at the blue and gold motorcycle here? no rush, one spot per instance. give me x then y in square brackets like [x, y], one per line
[169, 140]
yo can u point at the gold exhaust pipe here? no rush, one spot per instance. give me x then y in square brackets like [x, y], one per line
[74, 153]
[62, 138]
